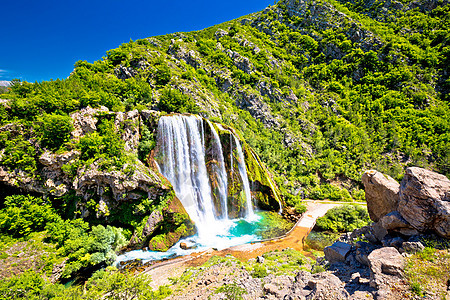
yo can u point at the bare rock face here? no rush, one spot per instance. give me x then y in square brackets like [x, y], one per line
[84, 121]
[129, 123]
[337, 252]
[425, 201]
[382, 194]
[326, 286]
[386, 265]
[153, 222]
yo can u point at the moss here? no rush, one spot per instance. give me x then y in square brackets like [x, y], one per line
[176, 224]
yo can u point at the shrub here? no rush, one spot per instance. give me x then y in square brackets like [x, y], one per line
[55, 130]
[259, 271]
[232, 291]
[19, 154]
[162, 74]
[173, 100]
[24, 214]
[344, 218]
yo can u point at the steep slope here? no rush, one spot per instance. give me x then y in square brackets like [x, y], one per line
[321, 90]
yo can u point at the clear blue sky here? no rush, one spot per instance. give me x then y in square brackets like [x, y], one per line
[41, 40]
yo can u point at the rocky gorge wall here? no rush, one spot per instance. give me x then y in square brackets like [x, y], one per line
[124, 190]
[372, 262]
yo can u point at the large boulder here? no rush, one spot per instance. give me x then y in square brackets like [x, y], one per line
[337, 252]
[425, 201]
[385, 262]
[382, 194]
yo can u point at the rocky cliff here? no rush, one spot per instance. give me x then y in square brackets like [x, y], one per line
[118, 189]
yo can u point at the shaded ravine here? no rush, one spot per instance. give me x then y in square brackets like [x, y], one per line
[160, 272]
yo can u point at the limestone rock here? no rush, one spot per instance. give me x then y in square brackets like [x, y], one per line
[385, 261]
[379, 231]
[425, 200]
[123, 72]
[382, 194]
[326, 286]
[220, 33]
[128, 124]
[413, 247]
[337, 252]
[84, 121]
[152, 223]
[393, 221]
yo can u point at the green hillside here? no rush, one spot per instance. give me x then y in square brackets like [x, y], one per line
[321, 90]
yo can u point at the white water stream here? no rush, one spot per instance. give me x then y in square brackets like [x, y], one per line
[181, 158]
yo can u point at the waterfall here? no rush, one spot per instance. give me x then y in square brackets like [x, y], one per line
[219, 169]
[184, 159]
[244, 177]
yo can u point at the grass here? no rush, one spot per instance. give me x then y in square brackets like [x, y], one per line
[428, 272]
[319, 240]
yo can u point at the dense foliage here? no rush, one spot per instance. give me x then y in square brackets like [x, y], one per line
[320, 94]
[105, 284]
[371, 92]
[344, 218]
[82, 244]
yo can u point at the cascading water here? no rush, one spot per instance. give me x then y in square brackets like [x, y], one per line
[243, 173]
[181, 157]
[219, 168]
[191, 156]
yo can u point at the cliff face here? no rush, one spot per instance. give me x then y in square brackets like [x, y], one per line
[122, 190]
[96, 189]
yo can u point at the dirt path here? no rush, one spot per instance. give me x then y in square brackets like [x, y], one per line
[161, 272]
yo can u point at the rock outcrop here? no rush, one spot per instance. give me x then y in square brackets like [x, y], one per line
[425, 201]
[381, 194]
[337, 252]
[421, 203]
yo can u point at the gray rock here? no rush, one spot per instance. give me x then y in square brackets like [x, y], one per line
[412, 247]
[153, 222]
[220, 33]
[382, 194]
[425, 201]
[326, 286]
[394, 221]
[123, 72]
[337, 252]
[379, 231]
[393, 242]
[385, 262]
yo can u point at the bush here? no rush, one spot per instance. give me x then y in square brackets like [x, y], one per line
[55, 130]
[344, 218]
[259, 271]
[232, 291]
[19, 154]
[162, 75]
[173, 100]
[25, 214]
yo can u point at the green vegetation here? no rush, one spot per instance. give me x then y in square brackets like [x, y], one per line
[232, 291]
[428, 272]
[54, 130]
[344, 218]
[108, 283]
[81, 244]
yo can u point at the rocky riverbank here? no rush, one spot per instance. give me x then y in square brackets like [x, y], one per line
[387, 260]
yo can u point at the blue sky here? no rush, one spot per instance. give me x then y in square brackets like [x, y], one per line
[41, 40]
